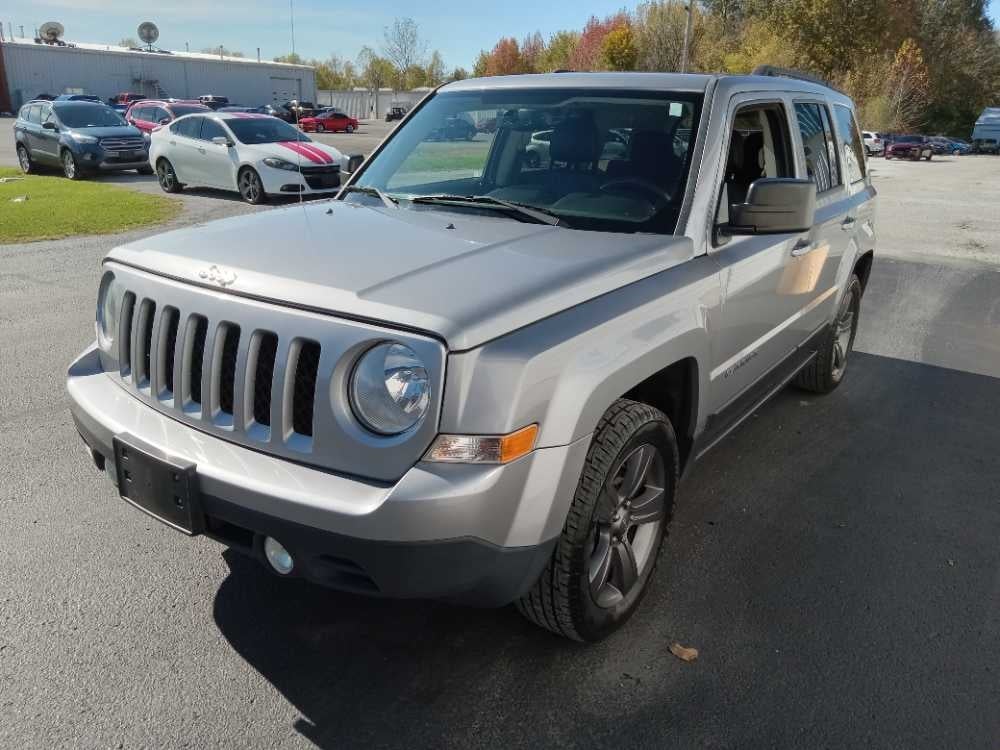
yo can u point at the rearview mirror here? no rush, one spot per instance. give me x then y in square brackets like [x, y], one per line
[775, 205]
[354, 162]
[49, 125]
[221, 140]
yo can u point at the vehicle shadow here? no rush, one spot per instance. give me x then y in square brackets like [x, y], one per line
[835, 560]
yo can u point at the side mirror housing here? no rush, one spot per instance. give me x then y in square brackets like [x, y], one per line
[775, 205]
[354, 162]
[164, 121]
[221, 140]
[49, 125]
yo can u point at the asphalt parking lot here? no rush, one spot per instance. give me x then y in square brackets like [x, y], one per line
[835, 560]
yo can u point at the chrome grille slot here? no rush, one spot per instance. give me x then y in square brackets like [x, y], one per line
[304, 363]
[256, 373]
[125, 335]
[194, 356]
[260, 367]
[142, 343]
[227, 341]
[169, 319]
[122, 144]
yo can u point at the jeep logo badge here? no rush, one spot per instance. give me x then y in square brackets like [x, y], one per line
[221, 276]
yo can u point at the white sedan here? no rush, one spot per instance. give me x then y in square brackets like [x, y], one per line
[256, 155]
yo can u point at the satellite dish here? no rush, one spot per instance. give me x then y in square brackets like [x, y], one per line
[51, 31]
[148, 32]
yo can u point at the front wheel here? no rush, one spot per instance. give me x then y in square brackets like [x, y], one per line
[349, 129]
[250, 186]
[70, 168]
[606, 555]
[827, 369]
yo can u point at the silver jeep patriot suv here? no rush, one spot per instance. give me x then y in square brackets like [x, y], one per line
[479, 373]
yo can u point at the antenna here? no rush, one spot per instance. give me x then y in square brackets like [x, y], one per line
[148, 33]
[50, 32]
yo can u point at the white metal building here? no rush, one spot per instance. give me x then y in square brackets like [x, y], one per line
[34, 68]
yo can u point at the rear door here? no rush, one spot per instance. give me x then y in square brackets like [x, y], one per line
[48, 138]
[184, 145]
[812, 275]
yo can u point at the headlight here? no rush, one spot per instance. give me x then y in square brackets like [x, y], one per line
[272, 161]
[109, 302]
[390, 390]
[81, 138]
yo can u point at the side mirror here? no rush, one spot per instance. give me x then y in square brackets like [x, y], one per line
[164, 120]
[221, 140]
[775, 205]
[49, 125]
[354, 162]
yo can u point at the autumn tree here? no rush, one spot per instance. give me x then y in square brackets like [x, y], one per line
[559, 51]
[618, 50]
[587, 53]
[907, 85]
[532, 52]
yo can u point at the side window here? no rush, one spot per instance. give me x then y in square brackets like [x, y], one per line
[820, 150]
[189, 127]
[850, 144]
[211, 129]
[34, 114]
[759, 146]
[48, 115]
[141, 114]
[158, 114]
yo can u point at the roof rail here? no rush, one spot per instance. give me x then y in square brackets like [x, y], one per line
[776, 72]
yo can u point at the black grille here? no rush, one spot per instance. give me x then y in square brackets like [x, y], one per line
[304, 394]
[172, 318]
[321, 178]
[263, 374]
[148, 313]
[125, 334]
[197, 356]
[227, 381]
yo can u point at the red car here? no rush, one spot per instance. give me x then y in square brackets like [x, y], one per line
[328, 121]
[150, 114]
[914, 147]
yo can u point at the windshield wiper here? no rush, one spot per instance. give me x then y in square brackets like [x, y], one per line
[540, 215]
[388, 200]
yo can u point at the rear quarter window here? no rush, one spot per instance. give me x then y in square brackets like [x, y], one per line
[851, 148]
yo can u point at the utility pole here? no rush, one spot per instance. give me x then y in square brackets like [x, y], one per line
[687, 36]
[291, 12]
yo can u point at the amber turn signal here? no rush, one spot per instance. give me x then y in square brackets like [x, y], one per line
[483, 449]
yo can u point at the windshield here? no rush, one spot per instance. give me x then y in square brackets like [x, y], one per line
[908, 139]
[602, 160]
[86, 116]
[263, 129]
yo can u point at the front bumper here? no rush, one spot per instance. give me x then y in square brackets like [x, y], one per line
[477, 534]
[95, 157]
[285, 182]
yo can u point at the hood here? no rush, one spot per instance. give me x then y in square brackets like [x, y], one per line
[464, 278]
[308, 153]
[114, 131]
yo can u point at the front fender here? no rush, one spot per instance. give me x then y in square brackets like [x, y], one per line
[565, 371]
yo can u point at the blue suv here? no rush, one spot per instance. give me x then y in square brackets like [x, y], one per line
[78, 136]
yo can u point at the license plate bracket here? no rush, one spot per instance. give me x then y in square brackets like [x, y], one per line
[162, 486]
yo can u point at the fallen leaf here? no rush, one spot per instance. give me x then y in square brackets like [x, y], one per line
[684, 653]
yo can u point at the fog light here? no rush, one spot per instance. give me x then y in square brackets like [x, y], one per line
[279, 557]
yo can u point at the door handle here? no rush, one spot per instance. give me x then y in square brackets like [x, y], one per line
[801, 248]
[848, 223]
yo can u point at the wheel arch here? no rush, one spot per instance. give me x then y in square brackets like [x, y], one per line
[863, 268]
[674, 391]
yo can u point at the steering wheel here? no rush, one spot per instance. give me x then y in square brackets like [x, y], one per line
[642, 184]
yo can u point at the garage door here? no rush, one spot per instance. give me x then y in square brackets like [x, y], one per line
[285, 89]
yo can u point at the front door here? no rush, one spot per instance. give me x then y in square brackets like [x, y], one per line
[215, 163]
[762, 296]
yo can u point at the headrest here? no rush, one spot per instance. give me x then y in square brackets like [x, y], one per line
[574, 141]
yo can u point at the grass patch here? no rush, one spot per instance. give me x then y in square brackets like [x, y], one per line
[57, 207]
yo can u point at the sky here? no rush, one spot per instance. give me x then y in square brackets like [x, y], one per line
[458, 30]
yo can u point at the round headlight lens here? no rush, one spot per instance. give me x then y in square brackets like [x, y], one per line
[109, 301]
[390, 390]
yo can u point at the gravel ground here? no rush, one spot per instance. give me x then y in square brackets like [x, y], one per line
[835, 560]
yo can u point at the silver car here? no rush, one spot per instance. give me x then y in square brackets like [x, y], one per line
[472, 380]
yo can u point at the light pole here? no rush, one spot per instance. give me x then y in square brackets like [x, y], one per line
[687, 36]
[291, 12]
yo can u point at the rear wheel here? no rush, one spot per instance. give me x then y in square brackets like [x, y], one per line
[609, 545]
[250, 186]
[24, 159]
[320, 127]
[167, 178]
[70, 168]
[827, 368]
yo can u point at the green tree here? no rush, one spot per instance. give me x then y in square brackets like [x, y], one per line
[292, 57]
[434, 70]
[618, 50]
[559, 51]
[458, 74]
[128, 42]
[220, 50]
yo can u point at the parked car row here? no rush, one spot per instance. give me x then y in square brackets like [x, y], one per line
[186, 143]
[912, 146]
